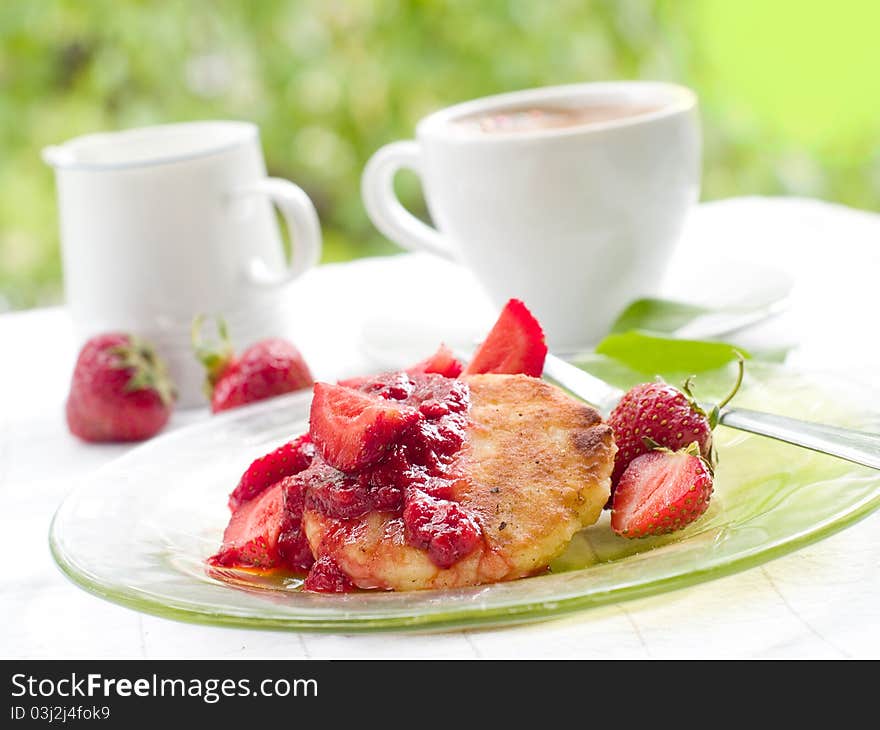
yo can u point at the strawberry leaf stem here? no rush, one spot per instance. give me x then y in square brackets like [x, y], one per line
[216, 357]
[714, 413]
[148, 370]
[741, 365]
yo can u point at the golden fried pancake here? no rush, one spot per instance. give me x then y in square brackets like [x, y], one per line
[535, 469]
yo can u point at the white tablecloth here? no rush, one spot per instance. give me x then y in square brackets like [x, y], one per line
[820, 601]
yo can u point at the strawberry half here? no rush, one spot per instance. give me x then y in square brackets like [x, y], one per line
[265, 533]
[442, 362]
[661, 492]
[515, 344]
[291, 458]
[352, 429]
[251, 537]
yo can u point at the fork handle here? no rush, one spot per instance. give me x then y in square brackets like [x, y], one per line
[859, 447]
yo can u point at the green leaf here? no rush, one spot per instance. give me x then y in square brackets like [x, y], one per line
[657, 315]
[652, 355]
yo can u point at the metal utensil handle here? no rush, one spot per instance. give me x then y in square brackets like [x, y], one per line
[585, 386]
[859, 447]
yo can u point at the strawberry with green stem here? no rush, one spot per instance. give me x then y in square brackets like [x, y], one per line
[267, 368]
[659, 414]
[120, 390]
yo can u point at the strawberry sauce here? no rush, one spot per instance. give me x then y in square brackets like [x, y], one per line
[414, 478]
[327, 577]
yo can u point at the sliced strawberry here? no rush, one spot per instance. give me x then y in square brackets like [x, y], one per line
[291, 458]
[442, 362]
[251, 537]
[515, 344]
[660, 492]
[352, 429]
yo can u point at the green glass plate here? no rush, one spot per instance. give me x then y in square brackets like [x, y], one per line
[137, 531]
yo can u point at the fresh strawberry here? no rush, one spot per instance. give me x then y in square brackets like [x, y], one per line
[442, 362]
[291, 458]
[352, 429]
[120, 390]
[515, 344]
[660, 414]
[251, 537]
[265, 533]
[661, 491]
[327, 577]
[265, 369]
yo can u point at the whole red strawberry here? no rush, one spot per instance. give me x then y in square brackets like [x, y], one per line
[661, 492]
[120, 390]
[267, 368]
[659, 414]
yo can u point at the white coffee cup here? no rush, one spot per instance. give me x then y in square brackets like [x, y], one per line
[162, 223]
[577, 221]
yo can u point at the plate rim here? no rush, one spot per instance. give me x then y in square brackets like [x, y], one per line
[520, 613]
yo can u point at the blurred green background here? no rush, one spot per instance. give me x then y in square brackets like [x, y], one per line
[790, 90]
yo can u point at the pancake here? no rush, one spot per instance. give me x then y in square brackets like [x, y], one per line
[534, 469]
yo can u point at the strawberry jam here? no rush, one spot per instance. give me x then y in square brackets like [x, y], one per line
[327, 577]
[293, 547]
[413, 477]
[440, 526]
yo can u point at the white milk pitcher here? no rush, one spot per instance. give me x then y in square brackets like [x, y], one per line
[162, 223]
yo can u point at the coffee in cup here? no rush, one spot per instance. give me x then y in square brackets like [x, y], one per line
[528, 119]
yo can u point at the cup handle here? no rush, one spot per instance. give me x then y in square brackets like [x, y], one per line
[302, 222]
[386, 211]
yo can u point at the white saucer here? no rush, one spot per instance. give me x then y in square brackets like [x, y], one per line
[741, 293]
